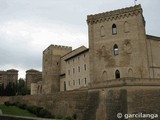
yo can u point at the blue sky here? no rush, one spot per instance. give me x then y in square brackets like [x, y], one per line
[27, 27]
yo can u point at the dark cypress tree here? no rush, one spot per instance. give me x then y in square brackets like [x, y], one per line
[3, 90]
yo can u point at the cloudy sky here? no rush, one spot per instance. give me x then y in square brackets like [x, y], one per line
[27, 27]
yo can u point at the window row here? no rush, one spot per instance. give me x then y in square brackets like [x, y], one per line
[114, 29]
[79, 69]
[73, 60]
[105, 76]
[78, 82]
[117, 74]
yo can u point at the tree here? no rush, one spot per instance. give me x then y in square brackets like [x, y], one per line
[10, 89]
[2, 90]
[21, 87]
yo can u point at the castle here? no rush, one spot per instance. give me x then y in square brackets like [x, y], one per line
[118, 48]
[119, 74]
[8, 76]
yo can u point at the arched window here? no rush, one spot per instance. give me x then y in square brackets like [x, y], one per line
[102, 31]
[130, 73]
[41, 89]
[103, 51]
[114, 29]
[117, 74]
[126, 27]
[116, 51]
[38, 89]
[104, 76]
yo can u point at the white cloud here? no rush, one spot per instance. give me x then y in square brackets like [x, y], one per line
[25, 41]
[27, 27]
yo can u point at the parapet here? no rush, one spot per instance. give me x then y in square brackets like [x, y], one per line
[58, 47]
[151, 37]
[33, 70]
[115, 14]
[12, 70]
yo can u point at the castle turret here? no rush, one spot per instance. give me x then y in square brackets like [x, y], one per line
[117, 43]
[51, 67]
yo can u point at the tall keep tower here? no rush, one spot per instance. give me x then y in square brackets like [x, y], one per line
[117, 43]
[51, 67]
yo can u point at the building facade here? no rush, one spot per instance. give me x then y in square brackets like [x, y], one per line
[32, 76]
[118, 42]
[118, 48]
[8, 76]
[76, 72]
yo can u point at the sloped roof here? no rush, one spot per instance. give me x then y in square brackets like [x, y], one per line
[32, 70]
[75, 52]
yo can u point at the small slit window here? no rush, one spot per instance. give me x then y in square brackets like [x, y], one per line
[78, 69]
[85, 80]
[114, 29]
[116, 50]
[64, 86]
[73, 82]
[85, 67]
[68, 72]
[117, 74]
[73, 70]
[79, 81]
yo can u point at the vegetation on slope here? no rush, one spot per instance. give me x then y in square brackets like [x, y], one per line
[13, 110]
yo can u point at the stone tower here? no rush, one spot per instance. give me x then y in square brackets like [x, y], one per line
[32, 76]
[117, 43]
[51, 67]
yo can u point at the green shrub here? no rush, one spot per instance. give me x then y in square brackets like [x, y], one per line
[32, 109]
[68, 118]
[74, 116]
[38, 111]
[44, 113]
[22, 106]
[8, 103]
[65, 118]
[59, 117]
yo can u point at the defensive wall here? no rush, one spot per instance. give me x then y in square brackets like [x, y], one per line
[102, 101]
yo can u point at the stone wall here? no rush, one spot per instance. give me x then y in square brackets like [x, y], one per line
[102, 102]
[62, 103]
[4, 99]
[144, 100]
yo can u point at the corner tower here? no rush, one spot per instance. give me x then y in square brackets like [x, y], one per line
[51, 67]
[117, 43]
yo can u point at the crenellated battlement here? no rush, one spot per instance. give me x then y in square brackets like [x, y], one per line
[115, 14]
[57, 47]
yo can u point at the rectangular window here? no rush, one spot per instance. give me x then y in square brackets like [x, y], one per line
[73, 82]
[73, 70]
[116, 51]
[84, 66]
[68, 72]
[114, 31]
[69, 83]
[79, 81]
[85, 80]
[78, 69]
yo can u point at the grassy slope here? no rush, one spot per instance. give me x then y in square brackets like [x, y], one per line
[13, 110]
